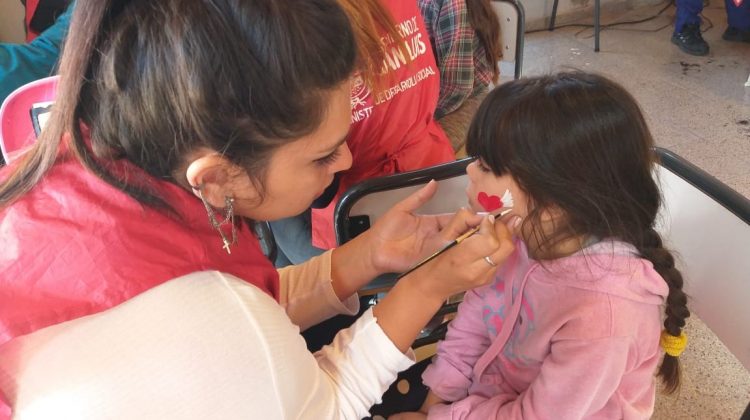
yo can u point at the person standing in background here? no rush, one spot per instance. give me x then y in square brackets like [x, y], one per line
[687, 32]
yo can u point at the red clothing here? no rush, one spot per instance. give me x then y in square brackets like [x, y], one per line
[31, 6]
[75, 246]
[393, 130]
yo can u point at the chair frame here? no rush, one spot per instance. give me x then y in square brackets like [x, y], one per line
[720, 192]
[597, 19]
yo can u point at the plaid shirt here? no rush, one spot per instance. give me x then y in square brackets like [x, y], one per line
[461, 58]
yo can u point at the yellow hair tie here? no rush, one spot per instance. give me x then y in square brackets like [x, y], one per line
[672, 345]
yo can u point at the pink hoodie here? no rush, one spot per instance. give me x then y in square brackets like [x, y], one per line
[582, 341]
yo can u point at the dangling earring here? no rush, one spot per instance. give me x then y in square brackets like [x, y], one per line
[228, 217]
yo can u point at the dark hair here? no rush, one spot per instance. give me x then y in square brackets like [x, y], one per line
[487, 27]
[579, 142]
[156, 80]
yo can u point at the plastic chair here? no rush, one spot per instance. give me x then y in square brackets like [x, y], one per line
[597, 25]
[512, 19]
[19, 125]
[714, 262]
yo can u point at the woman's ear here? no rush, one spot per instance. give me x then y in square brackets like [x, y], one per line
[209, 176]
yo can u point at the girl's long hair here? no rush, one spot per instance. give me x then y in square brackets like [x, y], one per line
[579, 142]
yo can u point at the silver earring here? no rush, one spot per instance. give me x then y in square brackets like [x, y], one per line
[228, 218]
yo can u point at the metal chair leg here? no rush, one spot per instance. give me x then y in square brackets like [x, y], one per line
[520, 34]
[597, 26]
[554, 15]
[597, 23]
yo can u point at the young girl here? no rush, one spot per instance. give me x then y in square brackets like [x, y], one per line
[571, 327]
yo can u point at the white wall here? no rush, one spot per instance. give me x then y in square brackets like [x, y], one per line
[11, 21]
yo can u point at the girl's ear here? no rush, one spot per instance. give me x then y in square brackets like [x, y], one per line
[209, 176]
[552, 212]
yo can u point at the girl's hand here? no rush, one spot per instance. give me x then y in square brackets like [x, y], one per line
[408, 415]
[401, 238]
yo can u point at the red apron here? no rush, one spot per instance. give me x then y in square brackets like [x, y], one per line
[393, 129]
[75, 246]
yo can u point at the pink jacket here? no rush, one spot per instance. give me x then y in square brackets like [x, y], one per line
[577, 338]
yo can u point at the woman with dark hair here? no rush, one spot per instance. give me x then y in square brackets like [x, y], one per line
[132, 285]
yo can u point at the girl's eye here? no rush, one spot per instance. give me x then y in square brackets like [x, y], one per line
[327, 160]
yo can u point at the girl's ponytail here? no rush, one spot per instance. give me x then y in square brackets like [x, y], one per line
[676, 308]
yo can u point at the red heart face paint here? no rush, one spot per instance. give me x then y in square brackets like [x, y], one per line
[491, 203]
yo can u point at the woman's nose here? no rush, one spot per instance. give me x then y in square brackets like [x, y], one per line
[471, 169]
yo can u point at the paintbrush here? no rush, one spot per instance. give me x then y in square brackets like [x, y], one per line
[450, 245]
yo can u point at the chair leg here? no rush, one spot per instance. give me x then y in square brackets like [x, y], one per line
[597, 27]
[520, 34]
[553, 16]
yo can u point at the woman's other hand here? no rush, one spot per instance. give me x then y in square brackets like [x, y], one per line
[397, 241]
[401, 238]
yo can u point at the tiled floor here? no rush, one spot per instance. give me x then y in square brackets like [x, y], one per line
[699, 108]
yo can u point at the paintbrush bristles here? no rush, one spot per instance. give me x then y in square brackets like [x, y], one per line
[476, 229]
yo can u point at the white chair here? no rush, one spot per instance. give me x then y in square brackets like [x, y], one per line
[703, 221]
[708, 225]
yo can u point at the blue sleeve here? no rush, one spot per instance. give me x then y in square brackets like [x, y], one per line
[23, 63]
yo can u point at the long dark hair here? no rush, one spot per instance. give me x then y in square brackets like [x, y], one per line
[155, 80]
[487, 27]
[579, 142]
